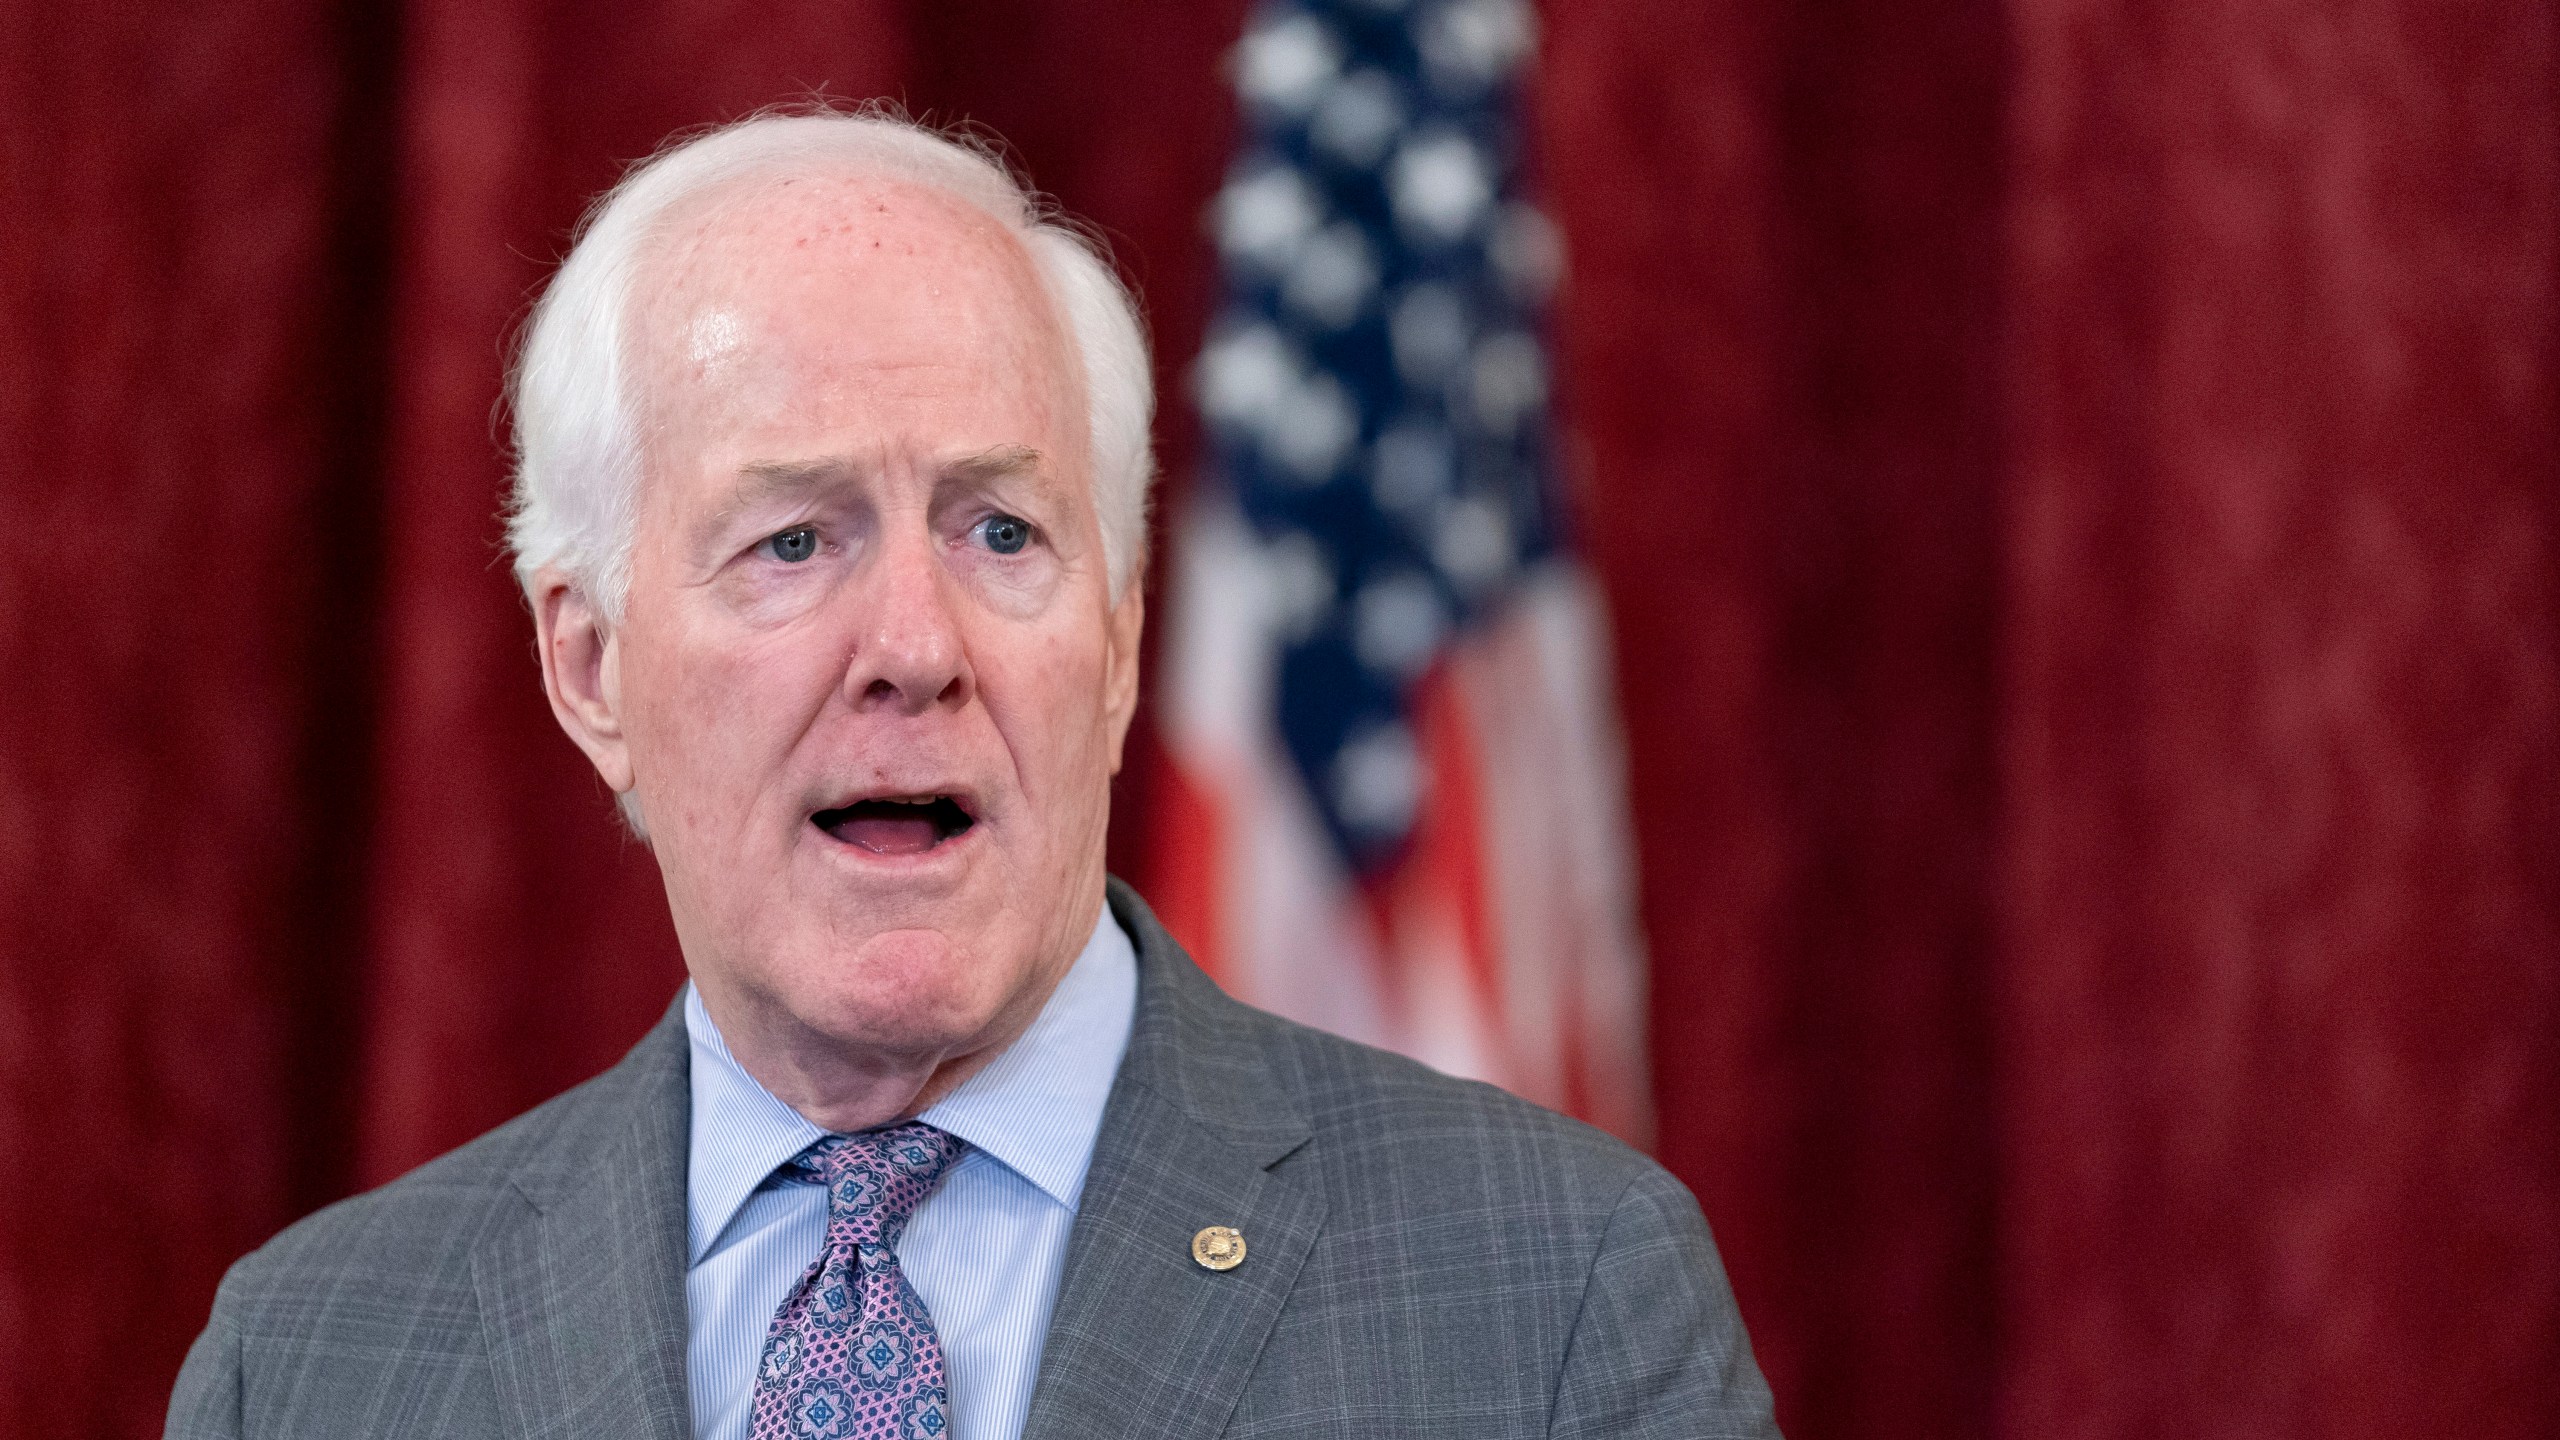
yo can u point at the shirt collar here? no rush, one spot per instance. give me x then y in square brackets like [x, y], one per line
[1035, 1108]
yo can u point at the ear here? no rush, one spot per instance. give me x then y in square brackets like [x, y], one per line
[1127, 624]
[582, 673]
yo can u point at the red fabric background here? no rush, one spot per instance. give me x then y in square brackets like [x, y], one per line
[2075, 480]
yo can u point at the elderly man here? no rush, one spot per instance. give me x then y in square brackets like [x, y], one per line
[831, 512]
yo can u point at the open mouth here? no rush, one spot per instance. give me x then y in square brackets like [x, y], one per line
[896, 827]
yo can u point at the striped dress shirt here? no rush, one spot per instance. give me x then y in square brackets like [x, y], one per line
[984, 1251]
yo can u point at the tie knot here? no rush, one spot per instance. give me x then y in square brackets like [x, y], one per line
[875, 1179]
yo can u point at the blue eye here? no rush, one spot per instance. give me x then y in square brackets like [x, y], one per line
[794, 545]
[1004, 534]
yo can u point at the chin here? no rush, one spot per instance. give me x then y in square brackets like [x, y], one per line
[903, 990]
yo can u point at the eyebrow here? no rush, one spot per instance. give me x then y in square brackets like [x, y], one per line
[998, 463]
[766, 477]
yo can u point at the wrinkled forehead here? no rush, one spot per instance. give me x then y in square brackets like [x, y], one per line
[788, 278]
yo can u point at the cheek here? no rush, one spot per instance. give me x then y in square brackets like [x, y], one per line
[1047, 700]
[713, 721]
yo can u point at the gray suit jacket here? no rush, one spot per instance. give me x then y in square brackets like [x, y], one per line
[1425, 1256]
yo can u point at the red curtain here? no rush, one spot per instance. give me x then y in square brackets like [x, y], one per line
[2075, 481]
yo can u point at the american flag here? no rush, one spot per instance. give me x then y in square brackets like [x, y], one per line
[1396, 808]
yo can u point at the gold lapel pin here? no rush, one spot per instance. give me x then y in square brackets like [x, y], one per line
[1220, 1247]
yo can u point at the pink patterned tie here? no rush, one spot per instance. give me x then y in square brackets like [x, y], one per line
[852, 1354]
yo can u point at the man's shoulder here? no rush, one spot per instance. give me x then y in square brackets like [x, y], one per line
[1392, 1130]
[1495, 1239]
[1528, 1268]
[1389, 1135]
[422, 1228]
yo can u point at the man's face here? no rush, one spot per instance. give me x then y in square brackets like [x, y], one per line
[870, 680]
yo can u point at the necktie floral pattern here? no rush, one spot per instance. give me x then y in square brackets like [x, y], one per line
[851, 1354]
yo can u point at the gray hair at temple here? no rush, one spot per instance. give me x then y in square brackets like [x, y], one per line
[577, 440]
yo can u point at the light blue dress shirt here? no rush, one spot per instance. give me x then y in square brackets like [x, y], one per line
[984, 1251]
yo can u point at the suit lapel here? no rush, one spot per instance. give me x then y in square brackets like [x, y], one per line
[1144, 1340]
[582, 1302]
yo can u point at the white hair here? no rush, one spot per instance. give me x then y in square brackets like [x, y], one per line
[577, 438]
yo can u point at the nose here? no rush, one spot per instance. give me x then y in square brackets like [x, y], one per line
[908, 656]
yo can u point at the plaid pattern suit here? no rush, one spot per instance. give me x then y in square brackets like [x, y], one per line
[1426, 1257]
